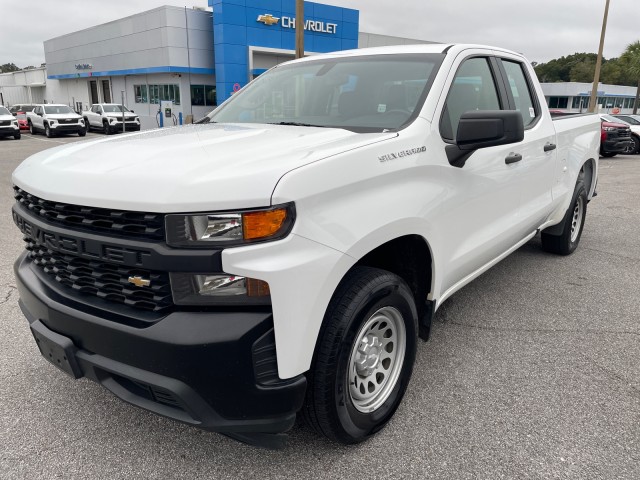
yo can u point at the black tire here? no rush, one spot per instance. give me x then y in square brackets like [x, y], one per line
[608, 154]
[106, 129]
[47, 130]
[17, 136]
[330, 408]
[32, 129]
[82, 132]
[567, 242]
[635, 146]
[87, 125]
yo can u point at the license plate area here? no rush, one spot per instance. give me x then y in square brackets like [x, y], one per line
[57, 349]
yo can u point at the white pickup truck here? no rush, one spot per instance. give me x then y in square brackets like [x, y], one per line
[286, 254]
[108, 118]
[53, 119]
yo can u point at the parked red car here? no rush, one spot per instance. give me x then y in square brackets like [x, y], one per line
[22, 120]
[614, 138]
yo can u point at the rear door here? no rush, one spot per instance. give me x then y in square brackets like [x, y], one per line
[535, 173]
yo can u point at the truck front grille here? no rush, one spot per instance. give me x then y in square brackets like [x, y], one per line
[104, 280]
[5, 123]
[93, 219]
[624, 132]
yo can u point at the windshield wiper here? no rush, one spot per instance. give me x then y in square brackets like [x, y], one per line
[298, 124]
[205, 120]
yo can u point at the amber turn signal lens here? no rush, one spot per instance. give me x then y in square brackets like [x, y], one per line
[263, 224]
[257, 288]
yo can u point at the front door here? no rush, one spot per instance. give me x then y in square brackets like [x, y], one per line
[480, 206]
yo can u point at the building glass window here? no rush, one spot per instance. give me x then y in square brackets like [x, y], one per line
[558, 102]
[156, 93]
[140, 93]
[203, 95]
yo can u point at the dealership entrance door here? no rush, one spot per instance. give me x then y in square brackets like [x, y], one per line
[106, 91]
[93, 91]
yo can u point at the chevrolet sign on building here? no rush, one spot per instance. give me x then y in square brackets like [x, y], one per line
[251, 37]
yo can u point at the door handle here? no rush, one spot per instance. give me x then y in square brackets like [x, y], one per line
[549, 146]
[513, 158]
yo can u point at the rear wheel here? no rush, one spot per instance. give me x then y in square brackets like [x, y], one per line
[364, 356]
[567, 241]
[32, 129]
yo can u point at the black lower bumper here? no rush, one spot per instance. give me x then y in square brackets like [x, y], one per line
[201, 368]
[615, 145]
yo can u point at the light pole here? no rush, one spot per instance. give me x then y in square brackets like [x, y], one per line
[596, 75]
[300, 28]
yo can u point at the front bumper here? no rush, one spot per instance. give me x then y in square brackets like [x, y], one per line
[128, 126]
[615, 145]
[66, 127]
[9, 131]
[206, 369]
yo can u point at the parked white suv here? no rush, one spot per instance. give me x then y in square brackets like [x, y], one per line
[108, 118]
[8, 124]
[53, 119]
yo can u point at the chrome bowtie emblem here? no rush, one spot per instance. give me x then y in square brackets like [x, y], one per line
[139, 281]
[268, 19]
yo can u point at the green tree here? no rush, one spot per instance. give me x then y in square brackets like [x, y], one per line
[8, 67]
[631, 59]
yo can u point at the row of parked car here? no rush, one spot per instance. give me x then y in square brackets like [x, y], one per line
[53, 119]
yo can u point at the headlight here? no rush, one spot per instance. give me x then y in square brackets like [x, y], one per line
[610, 129]
[218, 289]
[112, 120]
[210, 230]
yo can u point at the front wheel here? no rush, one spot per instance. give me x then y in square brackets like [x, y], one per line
[47, 130]
[567, 241]
[633, 147]
[106, 129]
[17, 136]
[364, 356]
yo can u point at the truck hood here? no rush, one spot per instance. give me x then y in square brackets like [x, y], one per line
[4, 118]
[119, 114]
[182, 169]
[58, 116]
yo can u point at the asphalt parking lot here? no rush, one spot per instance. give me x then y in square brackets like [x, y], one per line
[532, 371]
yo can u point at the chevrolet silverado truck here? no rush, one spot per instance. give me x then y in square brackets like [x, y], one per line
[52, 120]
[108, 118]
[286, 254]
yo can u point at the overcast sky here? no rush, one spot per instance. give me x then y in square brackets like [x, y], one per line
[540, 29]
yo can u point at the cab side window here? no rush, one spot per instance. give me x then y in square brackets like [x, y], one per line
[473, 88]
[521, 91]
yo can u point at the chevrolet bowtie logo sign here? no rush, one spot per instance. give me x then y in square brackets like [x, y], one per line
[268, 19]
[139, 281]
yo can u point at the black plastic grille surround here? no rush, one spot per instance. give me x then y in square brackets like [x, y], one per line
[96, 220]
[104, 280]
[624, 132]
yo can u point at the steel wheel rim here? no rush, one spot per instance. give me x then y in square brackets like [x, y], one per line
[576, 220]
[376, 359]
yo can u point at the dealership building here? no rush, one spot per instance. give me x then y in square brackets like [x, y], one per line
[195, 58]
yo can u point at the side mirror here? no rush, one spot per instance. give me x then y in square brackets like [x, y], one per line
[39, 114]
[489, 128]
[484, 128]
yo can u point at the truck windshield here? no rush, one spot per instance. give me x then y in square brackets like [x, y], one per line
[4, 111]
[362, 94]
[51, 109]
[114, 108]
